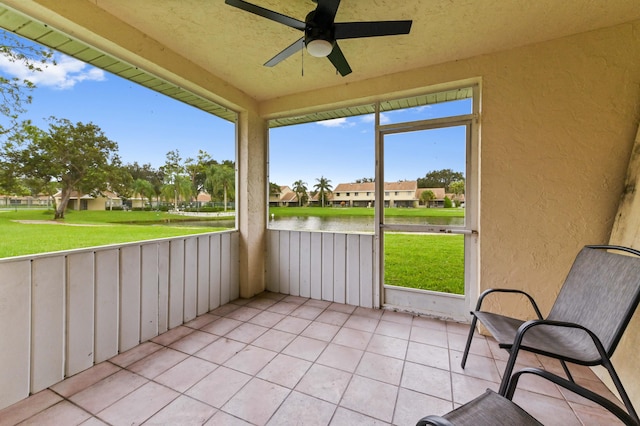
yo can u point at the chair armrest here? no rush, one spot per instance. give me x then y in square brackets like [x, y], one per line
[434, 421]
[508, 290]
[534, 323]
[573, 387]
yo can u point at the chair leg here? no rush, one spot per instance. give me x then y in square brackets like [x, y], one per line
[606, 362]
[566, 371]
[506, 375]
[474, 321]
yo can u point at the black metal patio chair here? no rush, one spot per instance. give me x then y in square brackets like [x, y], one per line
[493, 409]
[587, 320]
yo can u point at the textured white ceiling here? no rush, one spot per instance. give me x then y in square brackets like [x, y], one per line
[233, 44]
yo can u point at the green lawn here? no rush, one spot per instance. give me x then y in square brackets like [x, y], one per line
[34, 231]
[428, 262]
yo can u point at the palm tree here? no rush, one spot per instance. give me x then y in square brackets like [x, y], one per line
[300, 188]
[220, 178]
[144, 188]
[323, 188]
[180, 188]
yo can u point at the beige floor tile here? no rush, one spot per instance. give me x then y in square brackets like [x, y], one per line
[220, 351]
[432, 356]
[476, 366]
[193, 342]
[325, 383]
[381, 368]
[93, 421]
[340, 307]
[429, 336]
[344, 417]
[305, 348]
[63, 413]
[210, 391]
[352, 338]
[28, 407]
[202, 320]
[322, 304]
[132, 355]
[412, 406]
[223, 419]
[157, 363]
[261, 303]
[274, 340]
[479, 344]
[139, 405]
[246, 333]
[428, 380]
[368, 312]
[284, 370]
[85, 379]
[321, 331]
[292, 325]
[182, 411]
[388, 346]
[393, 329]
[186, 374]
[341, 357]
[300, 409]
[458, 328]
[307, 312]
[256, 401]
[466, 388]
[267, 319]
[371, 398]
[398, 317]
[222, 326]
[430, 323]
[97, 397]
[225, 309]
[362, 323]
[282, 307]
[333, 317]
[244, 313]
[250, 360]
[177, 333]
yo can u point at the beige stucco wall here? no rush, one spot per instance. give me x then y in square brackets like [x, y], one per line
[558, 122]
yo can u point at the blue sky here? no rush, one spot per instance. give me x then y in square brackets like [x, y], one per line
[146, 125]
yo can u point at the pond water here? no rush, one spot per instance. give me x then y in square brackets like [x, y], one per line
[330, 224]
[352, 224]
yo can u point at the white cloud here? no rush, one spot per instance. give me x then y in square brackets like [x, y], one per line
[64, 75]
[336, 122]
[370, 118]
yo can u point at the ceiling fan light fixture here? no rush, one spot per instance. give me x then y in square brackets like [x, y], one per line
[319, 48]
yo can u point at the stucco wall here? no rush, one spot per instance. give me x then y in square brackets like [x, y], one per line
[558, 123]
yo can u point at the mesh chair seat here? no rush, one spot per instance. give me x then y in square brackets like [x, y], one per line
[566, 343]
[489, 409]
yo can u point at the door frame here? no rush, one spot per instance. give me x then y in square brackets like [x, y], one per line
[442, 305]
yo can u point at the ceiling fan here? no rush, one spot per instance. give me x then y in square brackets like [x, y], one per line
[321, 32]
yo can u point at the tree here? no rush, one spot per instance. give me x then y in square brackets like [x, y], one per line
[457, 187]
[323, 188]
[148, 173]
[365, 180]
[300, 188]
[221, 178]
[427, 196]
[274, 189]
[197, 170]
[14, 91]
[79, 157]
[144, 188]
[440, 179]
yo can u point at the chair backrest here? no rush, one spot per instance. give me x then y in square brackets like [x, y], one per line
[601, 292]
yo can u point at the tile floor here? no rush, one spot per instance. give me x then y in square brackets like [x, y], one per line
[283, 360]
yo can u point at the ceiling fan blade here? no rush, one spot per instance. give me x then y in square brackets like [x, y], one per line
[326, 11]
[345, 30]
[296, 46]
[266, 13]
[339, 61]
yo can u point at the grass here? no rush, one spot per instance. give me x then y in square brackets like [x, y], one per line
[92, 228]
[427, 262]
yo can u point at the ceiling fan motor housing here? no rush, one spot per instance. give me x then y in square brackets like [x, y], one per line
[319, 39]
